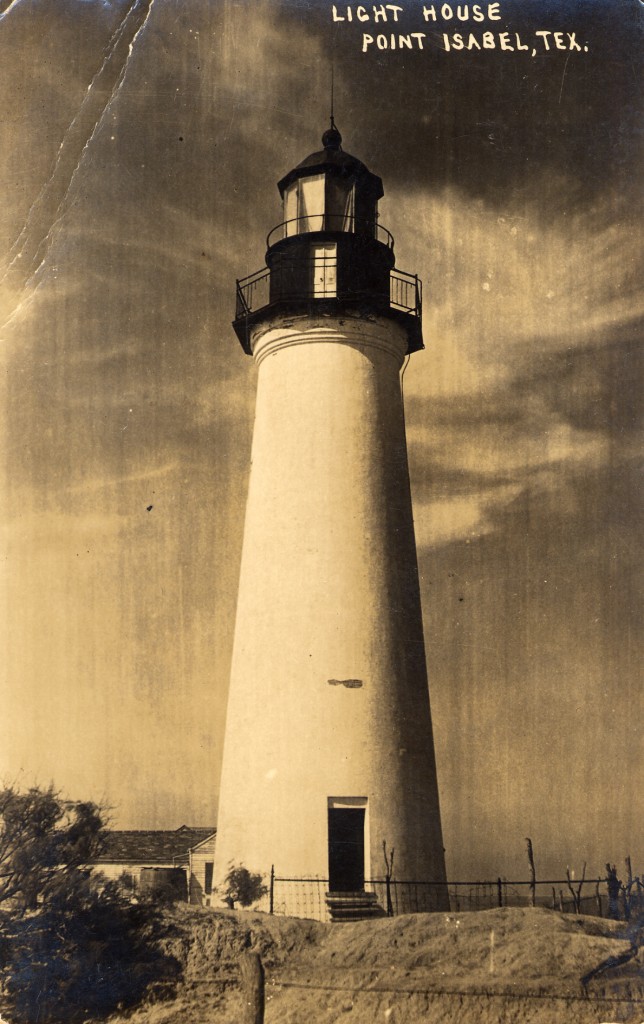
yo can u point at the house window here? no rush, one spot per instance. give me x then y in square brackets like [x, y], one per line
[207, 885]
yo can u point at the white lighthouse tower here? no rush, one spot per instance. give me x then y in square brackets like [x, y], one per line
[328, 749]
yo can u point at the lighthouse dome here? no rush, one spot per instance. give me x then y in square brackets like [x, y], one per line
[333, 160]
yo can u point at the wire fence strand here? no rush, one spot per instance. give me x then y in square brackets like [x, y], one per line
[309, 897]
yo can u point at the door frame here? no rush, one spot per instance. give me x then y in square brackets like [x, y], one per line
[348, 803]
[324, 261]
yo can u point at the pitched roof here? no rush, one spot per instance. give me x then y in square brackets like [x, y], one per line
[152, 846]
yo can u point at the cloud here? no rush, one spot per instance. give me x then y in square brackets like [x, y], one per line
[50, 532]
[468, 481]
[461, 517]
[144, 475]
[504, 286]
[530, 323]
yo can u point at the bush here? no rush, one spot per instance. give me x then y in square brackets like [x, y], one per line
[243, 886]
[71, 943]
[42, 835]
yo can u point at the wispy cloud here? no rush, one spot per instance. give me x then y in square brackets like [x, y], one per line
[461, 517]
[468, 471]
[96, 484]
[525, 316]
[504, 287]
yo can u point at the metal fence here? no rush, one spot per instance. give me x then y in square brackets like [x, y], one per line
[307, 897]
[298, 897]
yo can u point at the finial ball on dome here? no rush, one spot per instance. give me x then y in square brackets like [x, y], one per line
[332, 138]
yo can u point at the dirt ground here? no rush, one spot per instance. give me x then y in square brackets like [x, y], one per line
[505, 966]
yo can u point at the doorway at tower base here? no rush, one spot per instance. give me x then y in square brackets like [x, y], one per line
[348, 841]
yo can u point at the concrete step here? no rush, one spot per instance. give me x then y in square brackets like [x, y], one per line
[353, 906]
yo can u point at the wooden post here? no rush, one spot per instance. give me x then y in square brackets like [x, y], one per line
[614, 886]
[499, 887]
[252, 988]
[533, 874]
[627, 889]
[598, 899]
[272, 890]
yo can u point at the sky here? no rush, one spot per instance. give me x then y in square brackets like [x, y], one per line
[140, 146]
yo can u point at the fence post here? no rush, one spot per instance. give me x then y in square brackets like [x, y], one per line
[614, 885]
[598, 899]
[272, 890]
[252, 983]
[499, 889]
[533, 874]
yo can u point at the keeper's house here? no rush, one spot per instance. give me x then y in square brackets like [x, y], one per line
[180, 860]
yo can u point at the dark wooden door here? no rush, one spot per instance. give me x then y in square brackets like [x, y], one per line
[346, 849]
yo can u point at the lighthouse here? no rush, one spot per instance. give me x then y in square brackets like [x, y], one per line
[328, 751]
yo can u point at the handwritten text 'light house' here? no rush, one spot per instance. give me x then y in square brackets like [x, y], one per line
[328, 748]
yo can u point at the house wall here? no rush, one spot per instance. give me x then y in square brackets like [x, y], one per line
[203, 855]
[116, 869]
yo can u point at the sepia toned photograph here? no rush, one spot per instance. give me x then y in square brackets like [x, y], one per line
[321, 508]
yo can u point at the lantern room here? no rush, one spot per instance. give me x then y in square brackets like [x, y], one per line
[329, 254]
[330, 191]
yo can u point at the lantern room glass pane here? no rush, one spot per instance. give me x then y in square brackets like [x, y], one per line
[311, 203]
[340, 205]
[290, 209]
[349, 211]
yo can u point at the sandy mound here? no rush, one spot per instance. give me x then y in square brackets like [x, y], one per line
[507, 965]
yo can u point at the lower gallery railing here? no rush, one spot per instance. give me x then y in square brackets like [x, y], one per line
[254, 292]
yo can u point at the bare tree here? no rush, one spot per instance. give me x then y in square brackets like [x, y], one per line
[627, 889]
[389, 873]
[576, 893]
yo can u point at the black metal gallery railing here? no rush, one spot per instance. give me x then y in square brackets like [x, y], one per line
[255, 291]
[329, 222]
[406, 292]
